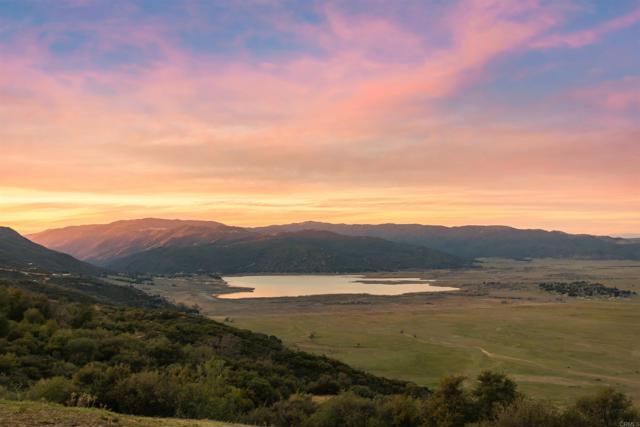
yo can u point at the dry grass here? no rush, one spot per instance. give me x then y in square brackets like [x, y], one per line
[28, 414]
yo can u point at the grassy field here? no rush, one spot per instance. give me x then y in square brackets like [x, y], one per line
[555, 347]
[557, 351]
[29, 414]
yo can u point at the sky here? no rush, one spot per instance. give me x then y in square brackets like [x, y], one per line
[522, 113]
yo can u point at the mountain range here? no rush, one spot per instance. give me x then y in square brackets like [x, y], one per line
[475, 241]
[305, 251]
[17, 252]
[167, 246]
[104, 243]
[170, 246]
[101, 243]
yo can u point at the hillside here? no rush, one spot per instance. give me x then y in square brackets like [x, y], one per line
[299, 252]
[161, 363]
[104, 243]
[17, 252]
[28, 414]
[483, 241]
[101, 243]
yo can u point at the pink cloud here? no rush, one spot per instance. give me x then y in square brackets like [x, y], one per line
[366, 116]
[589, 36]
[615, 96]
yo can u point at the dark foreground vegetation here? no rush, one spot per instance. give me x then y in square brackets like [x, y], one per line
[585, 289]
[166, 362]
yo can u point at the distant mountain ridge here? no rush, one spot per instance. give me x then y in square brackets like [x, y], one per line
[483, 241]
[131, 244]
[17, 252]
[100, 243]
[306, 251]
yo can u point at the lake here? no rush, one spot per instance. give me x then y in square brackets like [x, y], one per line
[303, 285]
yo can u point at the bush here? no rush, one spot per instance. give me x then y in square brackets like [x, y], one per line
[147, 393]
[608, 408]
[293, 412]
[4, 325]
[449, 405]
[493, 392]
[81, 351]
[397, 411]
[528, 413]
[55, 389]
[33, 315]
[344, 410]
[324, 385]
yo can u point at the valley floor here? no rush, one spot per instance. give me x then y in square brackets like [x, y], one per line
[30, 414]
[555, 347]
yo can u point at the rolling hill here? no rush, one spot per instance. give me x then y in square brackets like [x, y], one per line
[101, 243]
[483, 241]
[299, 252]
[17, 252]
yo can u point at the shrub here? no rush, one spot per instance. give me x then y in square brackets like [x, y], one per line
[4, 325]
[528, 413]
[397, 411]
[33, 315]
[147, 393]
[293, 412]
[81, 350]
[608, 408]
[449, 405]
[324, 385]
[493, 392]
[54, 389]
[344, 410]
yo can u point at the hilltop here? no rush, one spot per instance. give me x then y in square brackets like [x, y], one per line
[17, 252]
[101, 243]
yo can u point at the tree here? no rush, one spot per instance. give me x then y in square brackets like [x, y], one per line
[528, 413]
[344, 410]
[608, 408]
[81, 350]
[148, 393]
[294, 411]
[449, 405]
[397, 411]
[492, 392]
[55, 389]
[33, 315]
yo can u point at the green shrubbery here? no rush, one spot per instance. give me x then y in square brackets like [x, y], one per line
[159, 362]
[162, 362]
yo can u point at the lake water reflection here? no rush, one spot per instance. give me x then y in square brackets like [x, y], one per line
[303, 285]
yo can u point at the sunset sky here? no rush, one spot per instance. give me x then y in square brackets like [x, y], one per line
[523, 113]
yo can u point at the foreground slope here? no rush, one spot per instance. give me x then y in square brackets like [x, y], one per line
[157, 362]
[299, 252]
[101, 243]
[17, 252]
[483, 241]
[29, 414]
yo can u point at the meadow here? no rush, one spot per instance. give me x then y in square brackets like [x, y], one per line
[556, 351]
[556, 347]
